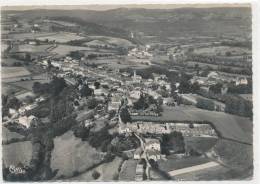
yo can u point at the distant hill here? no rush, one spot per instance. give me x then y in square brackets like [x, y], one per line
[174, 22]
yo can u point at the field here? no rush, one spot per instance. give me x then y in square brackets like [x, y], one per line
[174, 164]
[234, 155]
[112, 40]
[3, 47]
[15, 153]
[31, 48]
[63, 23]
[66, 49]
[7, 135]
[70, 155]
[214, 173]
[230, 126]
[200, 144]
[118, 63]
[96, 43]
[13, 72]
[8, 89]
[24, 36]
[221, 50]
[27, 85]
[108, 172]
[10, 61]
[61, 37]
[213, 66]
[128, 170]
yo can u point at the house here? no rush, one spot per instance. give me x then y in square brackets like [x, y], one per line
[168, 101]
[115, 103]
[32, 43]
[213, 74]
[12, 111]
[27, 108]
[152, 144]
[241, 81]
[28, 121]
[100, 91]
[135, 94]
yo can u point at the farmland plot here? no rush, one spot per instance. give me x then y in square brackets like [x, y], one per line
[128, 170]
[61, 37]
[66, 49]
[113, 40]
[32, 48]
[70, 155]
[13, 72]
[15, 153]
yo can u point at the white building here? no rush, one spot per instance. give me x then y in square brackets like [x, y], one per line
[115, 103]
[241, 81]
[27, 121]
[152, 144]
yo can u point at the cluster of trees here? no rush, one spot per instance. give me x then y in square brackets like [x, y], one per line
[216, 89]
[123, 143]
[218, 60]
[86, 91]
[76, 54]
[240, 89]
[9, 102]
[100, 139]
[247, 44]
[205, 104]
[239, 106]
[142, 103]
[53, 88]
[187, 87]
[242, 71]
[173, 142]
[125, 116]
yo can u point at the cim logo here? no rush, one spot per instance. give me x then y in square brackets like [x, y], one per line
[16, 170]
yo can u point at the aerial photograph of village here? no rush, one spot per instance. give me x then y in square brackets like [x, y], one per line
[127, 93]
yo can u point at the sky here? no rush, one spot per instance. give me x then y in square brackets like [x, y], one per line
[108, 7]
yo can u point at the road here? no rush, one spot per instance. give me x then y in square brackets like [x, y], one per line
[148, 165]
[193, 168]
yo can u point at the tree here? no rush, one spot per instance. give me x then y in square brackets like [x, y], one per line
[125, 116]
[141, 103]
[27, 57]
[184, 86]
[76, 54]
[85, 91]
[57, 85]
[92, 103]
[216, 89]
[97, 85]
[95, 175]
[195, 87]
[173, 141]
[228, 53]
